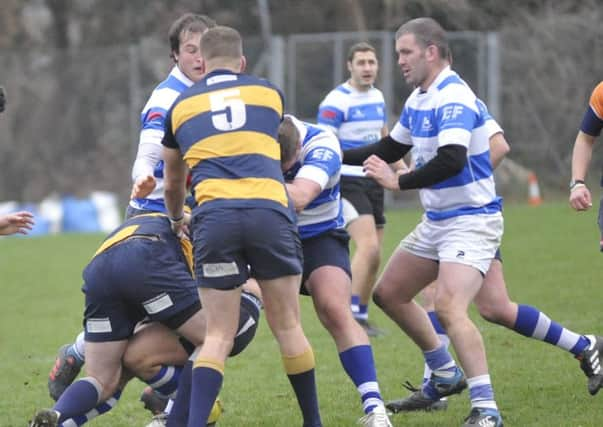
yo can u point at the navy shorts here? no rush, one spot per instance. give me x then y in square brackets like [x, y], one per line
[134, 279]
[366, 196]
[329, 248]
[132, 211]
[227, 241]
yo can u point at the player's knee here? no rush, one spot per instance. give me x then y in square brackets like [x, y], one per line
[378, 297]
[105, 385]
[335, 318]
[496, 313]
[488, 311]
[137, 362]
[449, 315]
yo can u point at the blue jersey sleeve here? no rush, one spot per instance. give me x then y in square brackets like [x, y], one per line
[456, 115]
[330, 116]
[325, 159]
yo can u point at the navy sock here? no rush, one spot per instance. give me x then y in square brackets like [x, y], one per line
[178, 416]
[79, 398]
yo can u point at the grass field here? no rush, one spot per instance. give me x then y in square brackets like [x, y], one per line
[551, 262]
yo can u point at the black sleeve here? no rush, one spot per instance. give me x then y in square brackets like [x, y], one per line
[449, 161]
[169, 140]
[387, 148]
[2, 99]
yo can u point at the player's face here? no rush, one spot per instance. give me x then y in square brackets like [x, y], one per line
[412, 61]
[363, 69]
[189, 56]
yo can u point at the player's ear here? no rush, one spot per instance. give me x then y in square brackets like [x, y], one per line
[202, 65]
[243, 64]
[432, 52]
[349, 64]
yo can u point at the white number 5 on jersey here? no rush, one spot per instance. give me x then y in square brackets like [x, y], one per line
[228, 109]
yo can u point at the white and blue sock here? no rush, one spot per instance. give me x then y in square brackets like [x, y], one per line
[533, 323]
[442, 364]
[481, 392]
[359, 364]
[79, 398]
[433, 317]
[100, 409]
[165, 382]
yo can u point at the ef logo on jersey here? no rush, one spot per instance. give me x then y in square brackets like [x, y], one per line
[322, 154]
[451, 112]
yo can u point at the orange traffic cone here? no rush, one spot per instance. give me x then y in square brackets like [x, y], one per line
[534, 198]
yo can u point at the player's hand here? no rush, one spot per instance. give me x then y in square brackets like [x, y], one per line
[178, 227]
[18, 222]
[143, 186]
[181, 227]
[580, 198]
[380, 171]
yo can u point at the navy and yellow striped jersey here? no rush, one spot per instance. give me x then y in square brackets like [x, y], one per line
[226, 128]
[154, 226]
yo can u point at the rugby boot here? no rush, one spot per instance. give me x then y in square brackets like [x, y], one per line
[483, 417]
[590, 362]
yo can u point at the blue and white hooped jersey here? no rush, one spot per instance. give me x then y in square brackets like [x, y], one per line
[450, 113]
[357, 118]
[152, 128]
[319, 161]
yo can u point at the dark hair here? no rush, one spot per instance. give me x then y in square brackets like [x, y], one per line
[288, 139]
[187, 23]
[360, 47]
[221, 41]
[427, 32]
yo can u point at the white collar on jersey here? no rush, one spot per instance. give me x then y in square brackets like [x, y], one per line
[177, 72]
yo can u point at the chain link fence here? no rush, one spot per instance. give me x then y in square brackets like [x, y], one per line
[72, 118]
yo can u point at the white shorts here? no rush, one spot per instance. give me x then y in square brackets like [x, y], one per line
[466, 239]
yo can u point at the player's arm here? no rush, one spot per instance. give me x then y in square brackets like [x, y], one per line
[590, 128]
[580, 198]
[149, 153]
[321, 163]
[449, 161]
[582, 154]
[175, 174]
[399, 166]
[302, 191]
[499, 148]
[387, 149]
[455, 122]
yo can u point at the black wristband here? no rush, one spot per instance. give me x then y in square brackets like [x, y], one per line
[177, 220]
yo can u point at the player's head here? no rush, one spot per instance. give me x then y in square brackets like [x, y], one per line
[362, 65]
[185, 43]
[222, 47]
[422, 48]
[288, 139]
